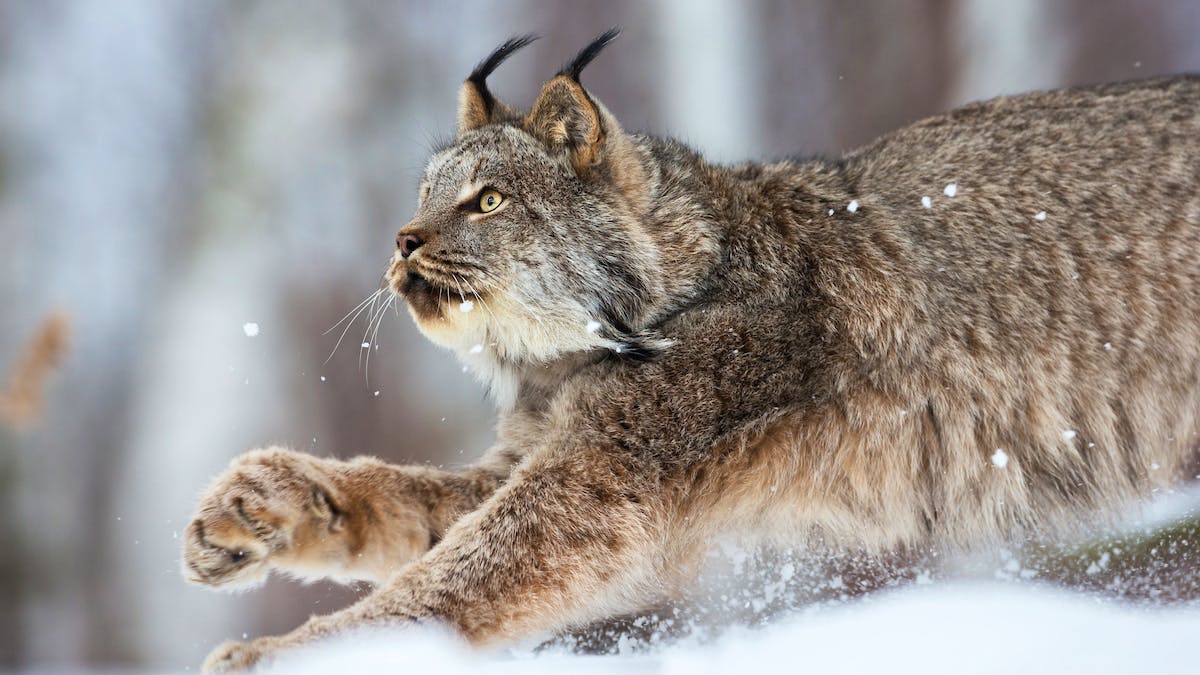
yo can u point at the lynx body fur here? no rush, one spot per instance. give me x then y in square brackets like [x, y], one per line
[796, 351]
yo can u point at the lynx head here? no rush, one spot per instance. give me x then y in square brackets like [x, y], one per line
[530, 238]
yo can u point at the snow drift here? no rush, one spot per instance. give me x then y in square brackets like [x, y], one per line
[949, 628]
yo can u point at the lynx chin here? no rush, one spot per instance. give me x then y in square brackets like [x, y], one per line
[981, 326]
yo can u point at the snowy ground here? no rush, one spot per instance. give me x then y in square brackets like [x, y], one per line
[951, 628]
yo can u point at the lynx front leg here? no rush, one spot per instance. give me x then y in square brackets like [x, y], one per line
[567, 540]
[313, 517]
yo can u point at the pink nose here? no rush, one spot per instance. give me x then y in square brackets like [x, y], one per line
[407, 243]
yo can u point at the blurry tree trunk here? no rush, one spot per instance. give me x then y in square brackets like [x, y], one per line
[21, 406]
[1007, 48]
[11, 559]
[831, 77]
[709, 47]
[95, 104]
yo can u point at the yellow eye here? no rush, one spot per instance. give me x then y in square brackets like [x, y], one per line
[490, 200]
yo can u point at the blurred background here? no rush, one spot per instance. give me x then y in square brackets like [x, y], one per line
[173, 171]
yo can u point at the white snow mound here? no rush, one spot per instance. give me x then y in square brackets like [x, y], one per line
[949, 628]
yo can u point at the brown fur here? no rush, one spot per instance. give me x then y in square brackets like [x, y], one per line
[21, 399]
[763, 359]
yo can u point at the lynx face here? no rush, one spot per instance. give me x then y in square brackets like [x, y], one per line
[549, 255]
[528, 240]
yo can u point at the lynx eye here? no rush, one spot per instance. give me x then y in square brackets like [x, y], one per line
[489, 201]
[237, 556]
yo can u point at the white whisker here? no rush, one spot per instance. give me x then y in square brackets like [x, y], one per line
[462, 297]
[371, 316]
[352, 316]
[375, 336]
[357, 307]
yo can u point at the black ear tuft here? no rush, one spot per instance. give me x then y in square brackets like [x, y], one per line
[479, 76]
[498, 56]
[588, 53]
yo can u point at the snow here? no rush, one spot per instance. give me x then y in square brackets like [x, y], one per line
[1099, 565]
[250, 329]
[927, 202]
[852, 207]
[1040, 215]
[466, 306]
[951, 189]
[1068, 434]
[593, 326]
[1107, 346]
[366, 345]
[927, 628]
[477, 349]
[1000, 458]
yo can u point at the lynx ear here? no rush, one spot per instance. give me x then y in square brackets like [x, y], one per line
[573, 124]
[476, 105]
[567, 119]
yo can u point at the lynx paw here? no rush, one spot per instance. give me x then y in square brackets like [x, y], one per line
[267, 504]
[236, 657]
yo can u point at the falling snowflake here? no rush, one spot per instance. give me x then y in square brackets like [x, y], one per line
[951, 189]
[852, 207]
[466, 306]
[250, 329]
[927, 202]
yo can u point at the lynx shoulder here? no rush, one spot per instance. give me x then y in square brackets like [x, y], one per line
[981, 325]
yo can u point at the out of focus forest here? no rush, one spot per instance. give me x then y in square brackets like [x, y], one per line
[173, 171]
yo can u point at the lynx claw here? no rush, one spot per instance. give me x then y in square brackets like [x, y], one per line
[235, 657]
[250, 514]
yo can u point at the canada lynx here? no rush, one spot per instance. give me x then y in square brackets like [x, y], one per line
[983, 324]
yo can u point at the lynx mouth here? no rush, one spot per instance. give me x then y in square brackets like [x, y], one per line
[422, 295]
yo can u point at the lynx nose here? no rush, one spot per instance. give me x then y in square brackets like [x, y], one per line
[407, 243]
